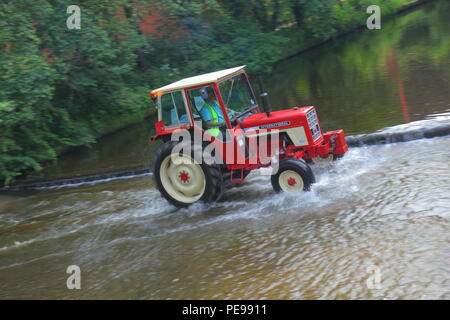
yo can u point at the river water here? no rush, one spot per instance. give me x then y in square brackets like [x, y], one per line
[375, 225]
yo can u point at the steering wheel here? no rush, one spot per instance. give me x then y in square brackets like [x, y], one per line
[240, 115]
[231, 113]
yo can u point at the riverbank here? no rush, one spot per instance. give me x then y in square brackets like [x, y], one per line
[298, 47]
[291, 50]
[76, 102]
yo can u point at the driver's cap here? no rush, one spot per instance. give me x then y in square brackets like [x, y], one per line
[204, 93]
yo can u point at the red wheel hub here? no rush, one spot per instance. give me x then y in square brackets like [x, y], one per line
[291, 181]
[184, 176]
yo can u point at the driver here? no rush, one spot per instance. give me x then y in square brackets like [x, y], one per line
[211, 112]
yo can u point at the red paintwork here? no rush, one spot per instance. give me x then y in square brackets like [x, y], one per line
[291, 181]
[184, 176]
[332, 142]
[277, 116]
[162, 130]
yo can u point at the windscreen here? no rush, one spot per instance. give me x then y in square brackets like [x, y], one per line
[236, 95]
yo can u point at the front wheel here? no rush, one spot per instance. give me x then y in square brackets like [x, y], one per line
[293, 176]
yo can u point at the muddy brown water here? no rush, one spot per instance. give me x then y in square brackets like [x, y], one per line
[379, 218]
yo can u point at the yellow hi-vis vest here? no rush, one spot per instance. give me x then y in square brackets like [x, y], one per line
[214, 132]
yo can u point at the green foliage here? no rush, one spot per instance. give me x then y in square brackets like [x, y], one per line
[238, 43]
[26, 112]
[48, 105]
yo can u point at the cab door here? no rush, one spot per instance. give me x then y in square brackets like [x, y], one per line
[172, 110]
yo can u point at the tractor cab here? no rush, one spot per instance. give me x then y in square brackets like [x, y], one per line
[220, 97]
[236, 138]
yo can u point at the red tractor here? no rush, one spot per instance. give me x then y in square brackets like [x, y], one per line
[214, 134]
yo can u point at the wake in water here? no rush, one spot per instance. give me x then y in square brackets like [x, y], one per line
[117, 202]
[126, 227]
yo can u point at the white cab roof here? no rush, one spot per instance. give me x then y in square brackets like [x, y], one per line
[200, 79]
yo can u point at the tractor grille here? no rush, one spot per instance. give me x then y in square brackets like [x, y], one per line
[313, 123]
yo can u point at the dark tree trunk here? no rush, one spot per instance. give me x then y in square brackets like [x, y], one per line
[297, 10]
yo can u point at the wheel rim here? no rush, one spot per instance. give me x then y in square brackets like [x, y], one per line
[182, 178]
[326, 159]
[290, 181]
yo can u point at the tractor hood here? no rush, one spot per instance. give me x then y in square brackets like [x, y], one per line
[295, 117]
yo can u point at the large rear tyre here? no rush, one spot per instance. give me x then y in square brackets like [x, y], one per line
[293, 176]
[182, 180]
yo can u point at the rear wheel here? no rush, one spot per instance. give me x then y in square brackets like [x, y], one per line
[182, 180]
[293, 176]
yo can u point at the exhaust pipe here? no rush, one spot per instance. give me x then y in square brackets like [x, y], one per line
[265, 103]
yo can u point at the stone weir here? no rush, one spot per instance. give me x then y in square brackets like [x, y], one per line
[436, 127]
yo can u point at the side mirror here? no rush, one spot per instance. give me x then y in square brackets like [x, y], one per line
[154, 98]
[265, 103]
[155, 102]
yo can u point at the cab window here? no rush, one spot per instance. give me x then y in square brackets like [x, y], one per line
[172, 109]
[197, 101]
[237, 95]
